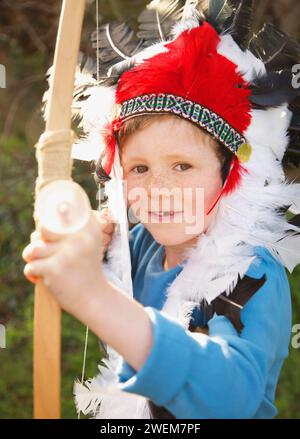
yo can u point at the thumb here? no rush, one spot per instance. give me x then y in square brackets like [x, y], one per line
[61, 222]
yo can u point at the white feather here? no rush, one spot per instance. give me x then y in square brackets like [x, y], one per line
[247, 64]
[268, 129]
[288, 249]
[190, 18]
[119, 252]
[92, 108]
[103, 398]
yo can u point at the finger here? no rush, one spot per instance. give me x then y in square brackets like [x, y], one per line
[108, 228]
[107, 237]
[32, 279]
[39, 250]
[105, 218]
[35, 235]
[35, 271]
[106, 241]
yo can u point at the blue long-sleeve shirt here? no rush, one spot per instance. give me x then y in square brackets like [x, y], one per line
[220, 375]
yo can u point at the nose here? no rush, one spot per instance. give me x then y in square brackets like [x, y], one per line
[159, 181]
[162, 192]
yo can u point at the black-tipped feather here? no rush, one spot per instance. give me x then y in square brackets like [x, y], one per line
[157, 19]
[274, 48]
[241, 21]
[116, 42]
[279, 53]
[192, 8]
[273, 89]
[114, 73]
[219, 13]
[100, 175]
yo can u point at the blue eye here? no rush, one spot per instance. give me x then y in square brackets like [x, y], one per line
[184, 166]
[140, 169]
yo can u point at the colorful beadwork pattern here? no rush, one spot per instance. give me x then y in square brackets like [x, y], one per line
[202, 116]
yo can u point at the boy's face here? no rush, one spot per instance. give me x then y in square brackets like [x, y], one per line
[172, 176]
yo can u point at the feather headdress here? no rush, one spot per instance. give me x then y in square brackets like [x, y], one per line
[206, 66]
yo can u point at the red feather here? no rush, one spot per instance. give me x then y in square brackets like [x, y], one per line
[110, 147]
[194, 70]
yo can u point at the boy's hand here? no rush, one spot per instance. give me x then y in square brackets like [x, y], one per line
[70, 266]
[107, 227]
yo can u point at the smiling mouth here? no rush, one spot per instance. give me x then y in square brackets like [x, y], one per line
[164, 214]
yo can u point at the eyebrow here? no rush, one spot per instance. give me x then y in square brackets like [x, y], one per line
[168, 156]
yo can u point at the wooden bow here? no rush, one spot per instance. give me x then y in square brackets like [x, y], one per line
[47, 313]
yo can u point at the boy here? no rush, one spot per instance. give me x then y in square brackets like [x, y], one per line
[216, 265]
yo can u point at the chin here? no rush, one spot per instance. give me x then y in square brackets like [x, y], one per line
[170, 234]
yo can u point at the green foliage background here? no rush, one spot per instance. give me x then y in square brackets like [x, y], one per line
[26, 62]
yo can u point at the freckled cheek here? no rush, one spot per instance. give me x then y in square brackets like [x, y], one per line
[129, 184]
[203, 192]
[136, 191]
[163, 181]
[192, 192]
[211, 193]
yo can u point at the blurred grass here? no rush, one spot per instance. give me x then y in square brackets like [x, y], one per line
[288, 391]
[18, 172]
[16, 365]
